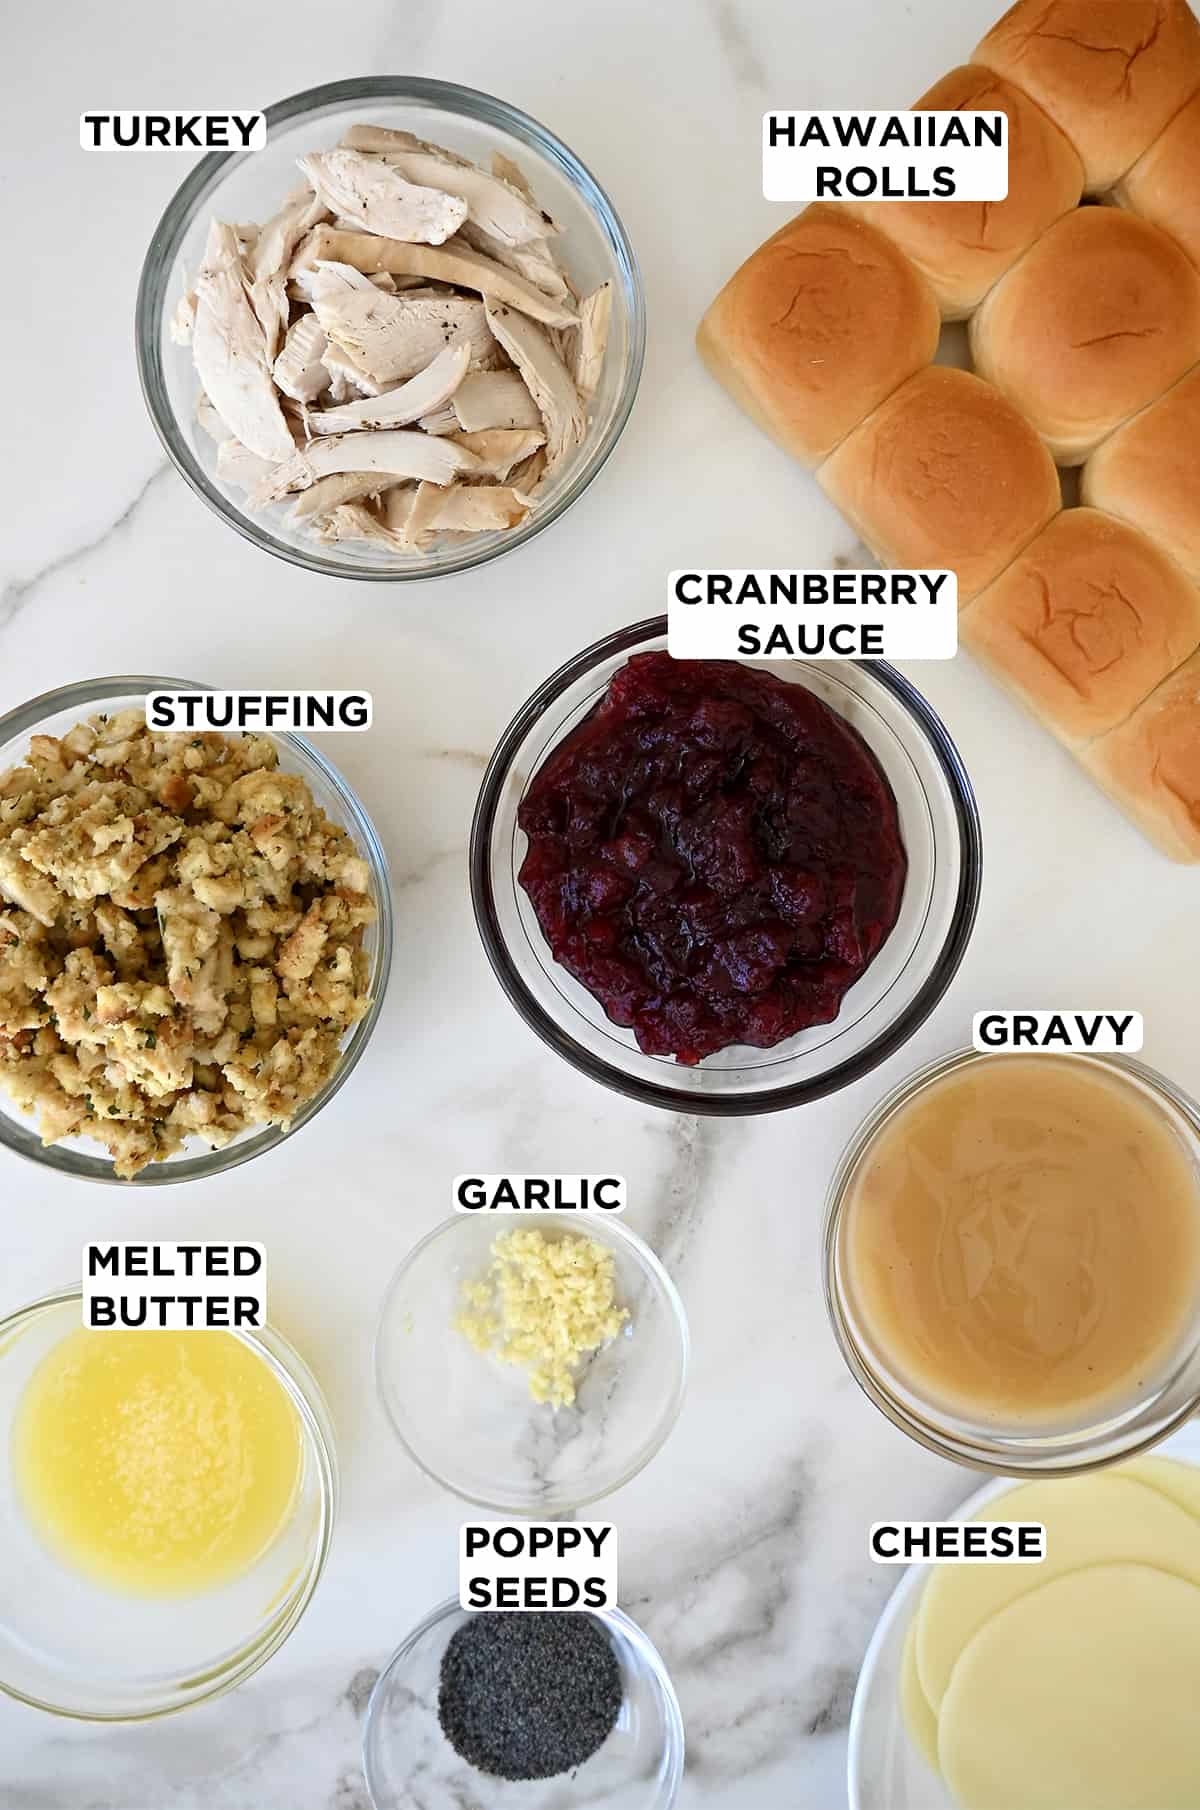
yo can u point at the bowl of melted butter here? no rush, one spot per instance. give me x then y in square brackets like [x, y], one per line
[167, 1505]
[1012, 1251]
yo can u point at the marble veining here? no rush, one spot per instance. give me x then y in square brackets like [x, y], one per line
[18, 592]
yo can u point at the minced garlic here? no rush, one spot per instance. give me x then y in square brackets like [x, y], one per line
[545, 1304]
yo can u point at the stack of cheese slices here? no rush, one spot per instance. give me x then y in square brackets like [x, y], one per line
[1068, 1684]
[1085, 337]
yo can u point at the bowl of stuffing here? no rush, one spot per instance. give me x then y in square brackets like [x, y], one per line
[398, 341]
[195, 937]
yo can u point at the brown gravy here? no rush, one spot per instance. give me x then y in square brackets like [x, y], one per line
[1021, 1244]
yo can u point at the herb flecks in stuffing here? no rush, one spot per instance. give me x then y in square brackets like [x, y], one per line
[181, 934]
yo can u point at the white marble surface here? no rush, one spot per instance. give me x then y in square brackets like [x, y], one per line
[744, 1546]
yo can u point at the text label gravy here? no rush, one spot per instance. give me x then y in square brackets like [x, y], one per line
[1022, 1242]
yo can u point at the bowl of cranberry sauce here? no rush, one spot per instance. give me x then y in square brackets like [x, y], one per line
[724, 887]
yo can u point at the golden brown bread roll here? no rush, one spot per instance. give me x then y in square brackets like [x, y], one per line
[1099, 318]
[1164, 183]
[1149, 472]
[1151, 764]
[962, 247]
[1085, 623]
[945, 473]
[817, 327]
[1111, 73]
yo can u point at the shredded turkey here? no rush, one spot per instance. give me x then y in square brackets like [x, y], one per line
[392, 337]
[183, 320]
[498, 450]
[423, 394]
[590, 339]
[441, 421]
[231, 352]
[478, 508]
[455, 262]
[494, 399]
[236, 464]
[487, 199]
[353, 521]
[398, 354]
[403, 453]
[299, 371]
[534, 262]
[268, 259]
[340, 487]
[547, 379]
[372, 193]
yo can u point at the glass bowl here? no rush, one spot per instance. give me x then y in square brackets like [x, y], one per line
[1017, 1453]
[72, 1647]
[468, 1420]
[53, 714]
[939, 825]
[407, 1759]
[252, 186]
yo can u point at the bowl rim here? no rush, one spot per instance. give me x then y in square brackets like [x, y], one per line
[912, 1579]
[1033, 1458]
[623, 1238]
[612, 1618]
[297, 1380]
[82, 693]
[662, 1094]
[201, 182]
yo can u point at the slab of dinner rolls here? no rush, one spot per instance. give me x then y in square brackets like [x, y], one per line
[1149, 472]
[1080, 1696]
[1151, 764]
[1164, 183]
[964, 246]
[1111, 73]
[1085, 623]
[945, 473]
[817, 327]
[1099, 318]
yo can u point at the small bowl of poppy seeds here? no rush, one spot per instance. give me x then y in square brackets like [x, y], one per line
[550, 1710]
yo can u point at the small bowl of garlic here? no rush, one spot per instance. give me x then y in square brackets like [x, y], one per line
[398, 341]
[528, 1365]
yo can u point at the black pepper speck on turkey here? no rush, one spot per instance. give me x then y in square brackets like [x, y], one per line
[714, 854]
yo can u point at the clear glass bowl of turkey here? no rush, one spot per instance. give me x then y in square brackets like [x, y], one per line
[240, 186]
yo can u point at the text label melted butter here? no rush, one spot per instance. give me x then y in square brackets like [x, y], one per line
[174, 1287]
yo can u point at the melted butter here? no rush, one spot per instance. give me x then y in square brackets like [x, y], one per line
[1022, 1242]
[157, 1463]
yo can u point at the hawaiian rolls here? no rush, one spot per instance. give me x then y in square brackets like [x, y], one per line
[962, 247]
[1099, 318]
[1151, 764]
[818, 326]
[1085, 623]
[945, 473]
[1111, 73]
[1164, 183]
[1149, 472]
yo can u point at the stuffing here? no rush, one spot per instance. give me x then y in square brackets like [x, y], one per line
[181, 938]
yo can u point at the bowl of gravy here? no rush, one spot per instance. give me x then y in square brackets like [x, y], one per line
[1012, 1259]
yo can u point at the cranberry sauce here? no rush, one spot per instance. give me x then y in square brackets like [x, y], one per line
[714, 854]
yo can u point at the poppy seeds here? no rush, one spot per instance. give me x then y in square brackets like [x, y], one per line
[528, 1696]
